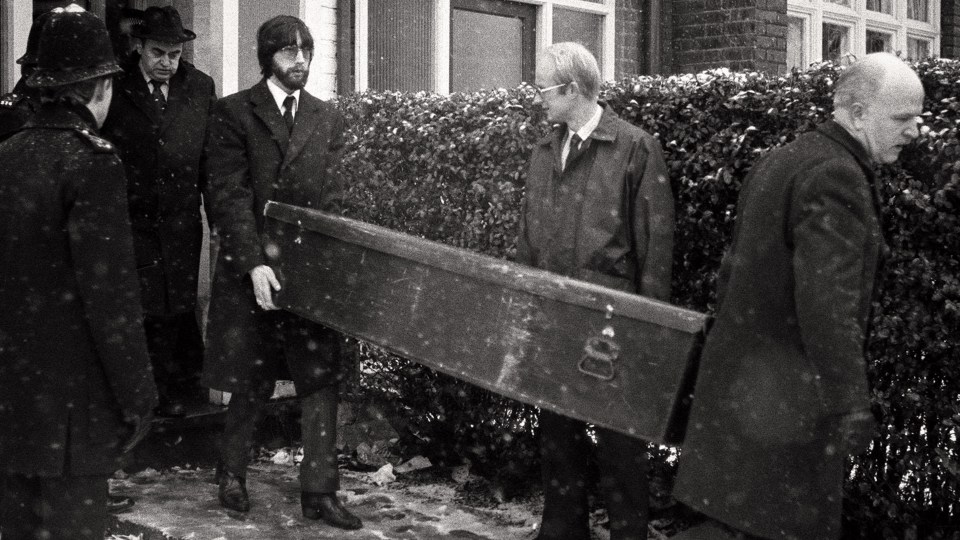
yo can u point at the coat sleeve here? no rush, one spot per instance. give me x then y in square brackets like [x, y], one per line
[211, 103]
[101, 247]
[230, 191]
[830, 235]
[653, 223]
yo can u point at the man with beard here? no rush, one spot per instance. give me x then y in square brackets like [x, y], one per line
[273, 141]
[158, 121]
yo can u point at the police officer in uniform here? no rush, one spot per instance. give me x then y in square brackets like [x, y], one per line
[18, 106]
[76, 389]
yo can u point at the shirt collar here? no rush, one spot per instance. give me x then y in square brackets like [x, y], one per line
[587, 129]
[148, 79]
[279, 95]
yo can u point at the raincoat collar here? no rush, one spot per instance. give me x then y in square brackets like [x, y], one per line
[606, 130]
[840, 134]
[61, 116]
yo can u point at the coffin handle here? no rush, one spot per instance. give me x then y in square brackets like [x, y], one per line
[599, 355]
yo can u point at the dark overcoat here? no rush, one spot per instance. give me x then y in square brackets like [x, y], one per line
[161, 155]
[73, 356]
[251, 158]
[785, 357]
[623, 239]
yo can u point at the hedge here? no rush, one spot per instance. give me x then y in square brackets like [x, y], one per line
[451, 169]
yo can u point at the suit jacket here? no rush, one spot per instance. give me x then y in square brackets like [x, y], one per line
[73, 356]
[785, 357]
[251, 158]
[161, 156]
[615, 228]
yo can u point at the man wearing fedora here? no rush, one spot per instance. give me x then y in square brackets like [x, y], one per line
[158, 121]
[75, 379]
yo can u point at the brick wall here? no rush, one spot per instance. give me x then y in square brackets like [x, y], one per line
[950, 29]
[629, 38]
[739, 34]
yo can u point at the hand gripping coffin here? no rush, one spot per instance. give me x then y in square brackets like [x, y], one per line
[600, 355]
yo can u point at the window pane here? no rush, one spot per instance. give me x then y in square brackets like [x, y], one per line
[796, 49]
[879, 42]
[836, 41]
[472, 67]
[840, 2]
[584, 28]
[401, 45]
[880, 6]
[918, 49]
[918, 10]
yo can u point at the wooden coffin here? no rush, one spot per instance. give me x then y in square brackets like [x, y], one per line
[607, 357]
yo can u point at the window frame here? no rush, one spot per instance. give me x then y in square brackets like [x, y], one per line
[442, 13]
[860, 20]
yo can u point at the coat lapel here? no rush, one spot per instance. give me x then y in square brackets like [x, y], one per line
[135, 87]
[266, 109]
[308, 116]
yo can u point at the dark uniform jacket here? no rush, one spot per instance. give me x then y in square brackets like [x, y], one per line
[17, 107]
[72, 351]
[251, 158]
[623, 238]
[161, 156]
[785, 357]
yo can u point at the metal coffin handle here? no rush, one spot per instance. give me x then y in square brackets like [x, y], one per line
[599, 354]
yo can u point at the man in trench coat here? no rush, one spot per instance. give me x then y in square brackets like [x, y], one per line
[782, 393]
[273, 141]
[598, 207]
[158, 121]
[75, 377]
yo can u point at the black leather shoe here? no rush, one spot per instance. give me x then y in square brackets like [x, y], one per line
[232, 491]
[327, 506]
[118, 503]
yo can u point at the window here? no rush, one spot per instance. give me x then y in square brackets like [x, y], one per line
[401, 45]
[880, 6]
[918, 10]
[879, 41]
[836, 41]
[466, 45]
[584, 28]
[796, 52]
[918, 49]
[832, 29]
[477, 26]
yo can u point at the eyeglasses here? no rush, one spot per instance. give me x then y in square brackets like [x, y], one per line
[540, 91]
[290, 52]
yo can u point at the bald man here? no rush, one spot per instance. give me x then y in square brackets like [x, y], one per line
[782, 394]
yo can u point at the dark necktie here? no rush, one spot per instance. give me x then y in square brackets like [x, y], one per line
[288, 112]
[576, 148]
[158, 96]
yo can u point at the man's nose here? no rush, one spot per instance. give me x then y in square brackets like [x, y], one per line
[914, 130]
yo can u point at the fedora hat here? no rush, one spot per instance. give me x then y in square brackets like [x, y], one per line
[74, 46]
[162, 24]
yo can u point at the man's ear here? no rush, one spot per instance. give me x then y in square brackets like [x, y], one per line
[858, 114]
[572, 88]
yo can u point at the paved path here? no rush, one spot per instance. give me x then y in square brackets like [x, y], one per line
[182, 504]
